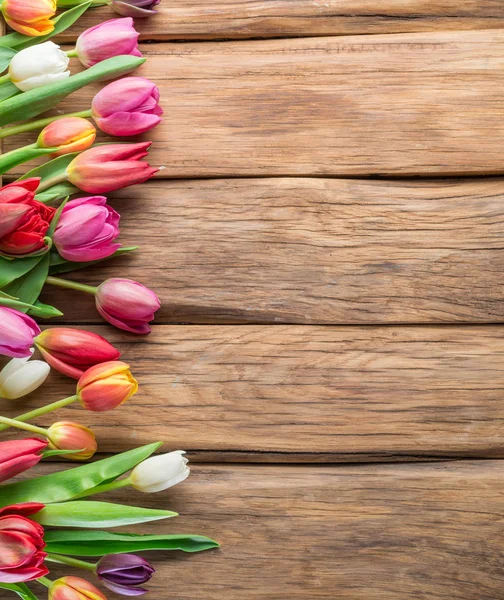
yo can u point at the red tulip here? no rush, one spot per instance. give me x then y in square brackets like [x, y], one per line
[21, 544]
[23, 221]
[18, 456]
[106, 386]
[73, 351]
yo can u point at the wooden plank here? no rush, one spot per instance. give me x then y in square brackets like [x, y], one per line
[410, 104]
[310, 251]
[240, 19]
[327, 393]
[390, 532]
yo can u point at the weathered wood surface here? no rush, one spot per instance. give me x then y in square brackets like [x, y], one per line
[239, 19]
[389, 532]
[331, 393]
[310, 251]
[421, 104]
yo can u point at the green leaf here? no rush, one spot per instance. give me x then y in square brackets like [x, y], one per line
[55, 219]
[20, 589]
[65, 485]
[98, 543]
[49, 453]
[7, 90]
[27, 288]
[21, 155]
[14, 303]
[90, 515]
[36, 101]
[53, 168]
[13, 269]
[6, 55]
[60, 265]
[56, 192]
[45, 311]
[62, 22]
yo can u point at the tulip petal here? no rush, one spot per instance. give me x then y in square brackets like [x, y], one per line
[124, 590]
[122, 123]
[15, 466]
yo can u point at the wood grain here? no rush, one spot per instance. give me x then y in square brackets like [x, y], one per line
[409, 104]
[310, 251]
[388, 532]
[240, 19]
[328, 393]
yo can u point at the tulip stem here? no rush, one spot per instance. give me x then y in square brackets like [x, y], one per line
[45, 581]
[41, 411]
[72, 285]
[106, 487]
[71, 53]
[25, 426]
[4, 78]
[39, 124]
[47, 183]
[72, 562]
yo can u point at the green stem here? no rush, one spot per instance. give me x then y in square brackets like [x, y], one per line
[11, 159]
[71, 53]
[72, 285]
[71, 562]
[42, 411]
[47, 183]
[45, 581]
[25, 426]
[106, 487]
[39, 124]
[4, 78]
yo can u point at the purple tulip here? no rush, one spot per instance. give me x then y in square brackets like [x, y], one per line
[122, 573]
[106, 40]
[135, 8]
[128, 106]
[87, 230]
[127, 304]
[17, 331]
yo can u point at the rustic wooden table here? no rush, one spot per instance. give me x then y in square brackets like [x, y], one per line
[329, 350]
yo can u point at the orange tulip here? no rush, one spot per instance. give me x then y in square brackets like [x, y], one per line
[65, 435]
[74, 588]
[106, 386]
[70, 134]
[30, 17]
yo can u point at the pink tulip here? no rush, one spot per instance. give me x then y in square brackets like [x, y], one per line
[127, 304]
[128, 106]
[106, 40]
[17, 331]
[87, 230]
[109, 167]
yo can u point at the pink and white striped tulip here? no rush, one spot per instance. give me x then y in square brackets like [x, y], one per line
[17, 331]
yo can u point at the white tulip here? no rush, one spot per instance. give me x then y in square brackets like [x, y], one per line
[21, 376]
[160, 472]
[38, 65]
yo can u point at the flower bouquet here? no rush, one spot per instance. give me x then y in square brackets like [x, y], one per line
[49, 228]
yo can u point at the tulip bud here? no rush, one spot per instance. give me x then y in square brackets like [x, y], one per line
[39, 65]
[18, 456]
[29, 17]
[70, 134]
[73, 351]
[87, 230]
[74, 588]
[17, 331]
[109, 167]
[128, 106]
[127, 304]
[108, 39]
[65, 435]
[21, 376]
[106, 386]
[135, 8]
[122, 573]
[159, 473]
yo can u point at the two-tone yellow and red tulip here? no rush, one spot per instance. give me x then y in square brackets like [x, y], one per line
[73, 351]
[30, 17]
[70, 134]
[66, 435]
[74, 588]
[106, 386]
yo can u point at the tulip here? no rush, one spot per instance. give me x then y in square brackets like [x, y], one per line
[87, 229]
[109, 167]
[19, 456]
[21, 377]
[159, 473]
[106, 386]
[29, 17]
[65, 435]
[17, 331]
[70, 134]
[128, 106]
[127, 304]
[122, 573]
[21, 544]
[112, 38]
[74, 588]
[39, 65]
[23, 220]
[73, 351]
[135, 8]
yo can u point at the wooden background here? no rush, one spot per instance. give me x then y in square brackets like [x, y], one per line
[332, 294]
